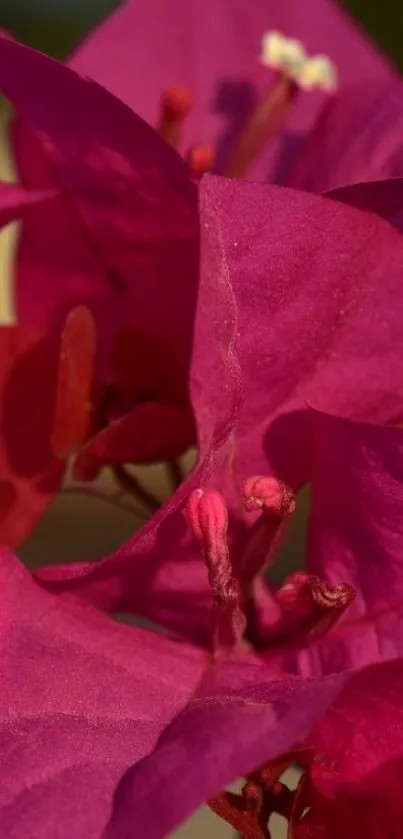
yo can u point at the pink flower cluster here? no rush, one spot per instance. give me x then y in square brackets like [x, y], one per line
[156, 309]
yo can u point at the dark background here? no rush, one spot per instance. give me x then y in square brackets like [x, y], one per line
[54, 26]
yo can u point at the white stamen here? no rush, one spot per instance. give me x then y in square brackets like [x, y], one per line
[289, 57]
[282, 53]
[319, 71]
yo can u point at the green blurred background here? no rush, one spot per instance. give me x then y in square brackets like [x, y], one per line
[54, 26]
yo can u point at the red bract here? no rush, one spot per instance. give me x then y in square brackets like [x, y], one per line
[220, 741]
[121, 239]
[16, 202]
[354, 787]
[30, 473]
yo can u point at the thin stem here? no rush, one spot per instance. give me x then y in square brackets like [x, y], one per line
[131, 485]
[175, 473]
[93, 491]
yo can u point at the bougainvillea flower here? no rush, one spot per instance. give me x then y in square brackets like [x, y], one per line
[310, 245]
[121, 715]
[101, 693]
[30, 472]
[123, 190]
[85, 699]
[314, 276]
[352, 759]
[221, 68]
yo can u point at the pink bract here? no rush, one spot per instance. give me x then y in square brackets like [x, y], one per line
[220, 65]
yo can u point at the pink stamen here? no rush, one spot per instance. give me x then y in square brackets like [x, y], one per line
[175, 106]
[263, 124]
[330, 602]
[201, 159]
[277, 503]
[312, 604]
[331, 597]
[208, 517]
[266, 493]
